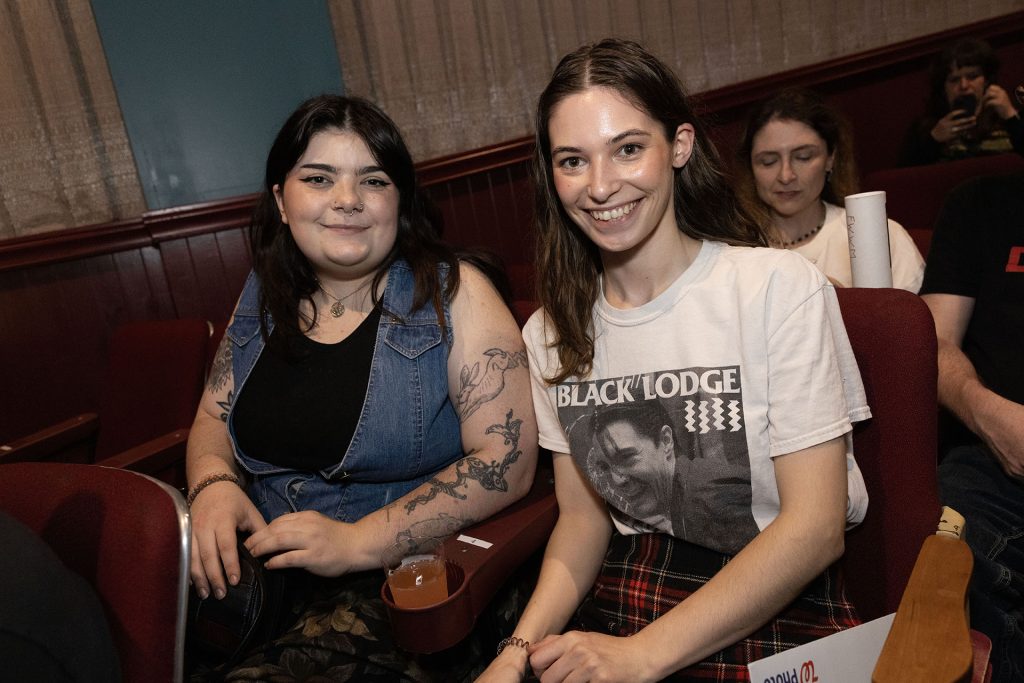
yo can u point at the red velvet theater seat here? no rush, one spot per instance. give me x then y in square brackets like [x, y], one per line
[893, 338]
[914, 195]
[127, 535]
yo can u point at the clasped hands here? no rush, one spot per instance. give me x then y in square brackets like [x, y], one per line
[575, 657]
[307, 540]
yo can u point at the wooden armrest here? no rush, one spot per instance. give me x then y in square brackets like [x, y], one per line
[474, 573]
[73, 440]
[162, 457]
[930, 639]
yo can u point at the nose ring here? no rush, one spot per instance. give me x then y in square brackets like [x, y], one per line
[358, 208]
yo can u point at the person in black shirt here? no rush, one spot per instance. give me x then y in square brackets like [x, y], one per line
[974, 286]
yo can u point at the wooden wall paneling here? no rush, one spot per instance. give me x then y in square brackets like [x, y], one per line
[470, 212]
[56, 344]
[161, 304]
[505, 211]
[144, 299]
[181, 278]
[236, 262]
[30, 365]
[208, 270]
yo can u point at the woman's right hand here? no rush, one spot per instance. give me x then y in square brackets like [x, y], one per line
[952, 125]
[218, 513]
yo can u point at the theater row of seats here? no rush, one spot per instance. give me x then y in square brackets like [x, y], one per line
[914, 195]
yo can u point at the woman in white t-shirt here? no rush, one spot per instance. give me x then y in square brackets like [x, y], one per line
[697, 393]
[795, 167]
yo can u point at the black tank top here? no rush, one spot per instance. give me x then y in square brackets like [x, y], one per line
[301, 412]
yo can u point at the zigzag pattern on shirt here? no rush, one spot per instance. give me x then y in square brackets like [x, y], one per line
[703, 416]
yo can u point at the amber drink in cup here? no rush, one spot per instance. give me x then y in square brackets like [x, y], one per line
[416, 572]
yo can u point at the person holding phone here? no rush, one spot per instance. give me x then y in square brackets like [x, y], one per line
[969, 113]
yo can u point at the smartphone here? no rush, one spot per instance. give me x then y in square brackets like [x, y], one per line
[967, 103]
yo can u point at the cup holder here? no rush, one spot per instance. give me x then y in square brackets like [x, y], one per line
[419, 629]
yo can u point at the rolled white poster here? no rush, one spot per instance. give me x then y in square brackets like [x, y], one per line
[868, 230]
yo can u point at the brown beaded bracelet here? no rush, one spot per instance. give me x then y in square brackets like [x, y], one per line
[212, 479]
[512, 640]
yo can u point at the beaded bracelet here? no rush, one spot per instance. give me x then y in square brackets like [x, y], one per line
[212, 479]
[512, 640]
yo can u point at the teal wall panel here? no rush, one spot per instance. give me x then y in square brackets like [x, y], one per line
[204, 86]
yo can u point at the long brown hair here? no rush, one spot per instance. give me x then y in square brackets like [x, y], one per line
[809, 108]
[568, 263]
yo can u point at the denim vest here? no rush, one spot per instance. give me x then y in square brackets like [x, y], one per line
[408, 429]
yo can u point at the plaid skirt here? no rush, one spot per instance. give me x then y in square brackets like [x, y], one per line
[645, 575]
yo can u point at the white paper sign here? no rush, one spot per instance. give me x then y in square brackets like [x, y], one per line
[474, 541]
[845, 657]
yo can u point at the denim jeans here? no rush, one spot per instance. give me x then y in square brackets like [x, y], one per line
[972, 482]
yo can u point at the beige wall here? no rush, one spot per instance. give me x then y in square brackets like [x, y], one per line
[460, 74]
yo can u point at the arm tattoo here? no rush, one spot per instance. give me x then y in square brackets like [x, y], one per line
[225, 406]
[490, 476]
[443, 525]
[477, 388]
[220, 371]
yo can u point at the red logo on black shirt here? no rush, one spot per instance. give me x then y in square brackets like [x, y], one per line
[1016, 262]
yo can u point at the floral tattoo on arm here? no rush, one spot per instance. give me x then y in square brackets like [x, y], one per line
[490, 476]
[220, 373]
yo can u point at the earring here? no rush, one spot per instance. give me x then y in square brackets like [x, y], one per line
[828, 175]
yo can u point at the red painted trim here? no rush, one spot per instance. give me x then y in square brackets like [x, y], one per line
[186, 221]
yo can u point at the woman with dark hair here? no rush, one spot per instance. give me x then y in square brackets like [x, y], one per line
[969, 114]
[369, 388]
[655, 293]
[795, 166]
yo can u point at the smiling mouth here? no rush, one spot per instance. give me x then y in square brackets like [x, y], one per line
[617, 212]
[343, 227]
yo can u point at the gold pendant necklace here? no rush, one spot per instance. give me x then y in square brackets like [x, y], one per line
[338, 309]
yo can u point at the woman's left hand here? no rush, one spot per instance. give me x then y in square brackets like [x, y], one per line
[309, 540]
[594, 657]
[997, 98]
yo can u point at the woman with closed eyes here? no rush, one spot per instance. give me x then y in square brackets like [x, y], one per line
[794, 167]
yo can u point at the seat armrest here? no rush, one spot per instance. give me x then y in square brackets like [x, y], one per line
[930, 638]
[73, 440]
[475, 573]
[162, 457]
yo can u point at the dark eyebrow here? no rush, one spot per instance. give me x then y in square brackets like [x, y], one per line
[320, 167]
[629, 133]
[365, 170]
[618, 138]
[562, 150]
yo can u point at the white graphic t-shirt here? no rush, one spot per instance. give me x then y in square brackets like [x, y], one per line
[742, 359]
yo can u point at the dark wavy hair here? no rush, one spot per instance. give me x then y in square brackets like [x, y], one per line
[568, 263]
[964, 52]
[809, 108]
[286, 275]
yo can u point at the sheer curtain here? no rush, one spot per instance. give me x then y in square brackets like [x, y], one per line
[460, 74]
[64, 154]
